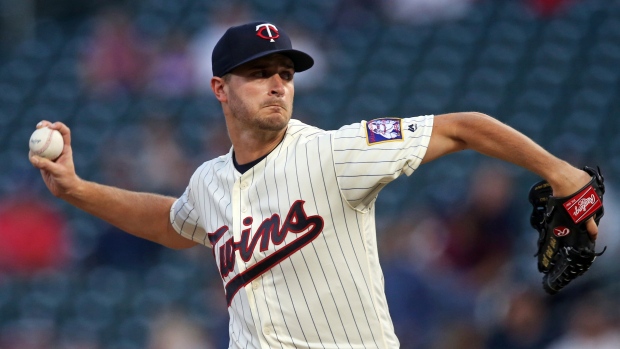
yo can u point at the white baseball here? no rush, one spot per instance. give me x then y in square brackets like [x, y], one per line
[46, 143]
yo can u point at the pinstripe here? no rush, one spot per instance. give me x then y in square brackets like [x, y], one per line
[212, 207]
[254, 257]
[350, 137]
[346, 260]
[275, 180]
[186, 218]
[262, 214]
[199, 183]
[320, 265]
[240, 299]
[249, 305]
[363, 188]
[371, 175]
[371, 293]
[330, 254]
[374, 150]
[302, 255]
[344, 216]
[367, 162]
[234, 313]
[271, 270]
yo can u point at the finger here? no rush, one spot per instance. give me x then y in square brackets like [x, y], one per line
[592, 228]
[43, 123]
[35, 160]
[42, 163]
[64, 131]
[61, 127]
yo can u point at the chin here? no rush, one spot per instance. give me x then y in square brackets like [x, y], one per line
[274, 121]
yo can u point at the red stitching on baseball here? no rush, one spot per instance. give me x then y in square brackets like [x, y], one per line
[46, 144]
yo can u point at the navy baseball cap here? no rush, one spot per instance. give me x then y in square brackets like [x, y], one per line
[247, 42]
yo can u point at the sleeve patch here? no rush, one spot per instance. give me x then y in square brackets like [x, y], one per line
[384, 130]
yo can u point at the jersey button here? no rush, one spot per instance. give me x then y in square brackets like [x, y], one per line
[255, 285]
[267, 330]
[244, 185]
[244, 209]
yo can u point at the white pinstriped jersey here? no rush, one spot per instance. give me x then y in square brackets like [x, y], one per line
[294, 237]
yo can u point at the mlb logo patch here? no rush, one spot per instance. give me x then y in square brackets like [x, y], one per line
[384, 130]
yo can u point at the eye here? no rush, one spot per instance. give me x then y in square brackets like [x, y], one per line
[287, 75]
[259, 73]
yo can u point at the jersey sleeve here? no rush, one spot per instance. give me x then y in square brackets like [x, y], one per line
[185, 218]
[370, 154]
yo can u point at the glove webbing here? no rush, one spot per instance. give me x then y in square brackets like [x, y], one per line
[572, 263]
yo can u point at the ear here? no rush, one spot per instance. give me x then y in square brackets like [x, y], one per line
[217, 85]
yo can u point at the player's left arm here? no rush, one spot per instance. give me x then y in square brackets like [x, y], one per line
[486, 135]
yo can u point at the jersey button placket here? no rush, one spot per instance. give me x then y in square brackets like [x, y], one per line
[243, 186]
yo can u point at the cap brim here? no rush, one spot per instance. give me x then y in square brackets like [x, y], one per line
[301, 60]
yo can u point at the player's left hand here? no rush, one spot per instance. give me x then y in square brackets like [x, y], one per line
[567, 227]
[575, 180]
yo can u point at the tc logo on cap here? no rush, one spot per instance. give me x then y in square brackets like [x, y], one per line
[272, 31]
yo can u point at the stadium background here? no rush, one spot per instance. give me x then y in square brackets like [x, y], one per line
[129, 78]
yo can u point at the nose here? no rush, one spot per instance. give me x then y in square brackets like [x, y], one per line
[276, 86]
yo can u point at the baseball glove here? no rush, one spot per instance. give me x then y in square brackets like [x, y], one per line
[565, 250]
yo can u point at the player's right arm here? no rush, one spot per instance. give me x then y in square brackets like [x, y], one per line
[144, 215]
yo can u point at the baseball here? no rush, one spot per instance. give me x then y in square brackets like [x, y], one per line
[46, 143]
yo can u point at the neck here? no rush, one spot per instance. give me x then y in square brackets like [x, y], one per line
[251, 144]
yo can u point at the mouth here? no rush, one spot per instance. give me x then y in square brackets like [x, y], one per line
[274, 105]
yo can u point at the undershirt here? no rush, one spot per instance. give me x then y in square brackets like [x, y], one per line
[245, 167]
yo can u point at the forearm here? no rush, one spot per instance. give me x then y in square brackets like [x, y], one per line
[144, 215]
[490, 137]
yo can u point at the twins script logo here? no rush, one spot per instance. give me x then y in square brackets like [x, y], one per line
[583, 204]
[270, 29]
[269, 231]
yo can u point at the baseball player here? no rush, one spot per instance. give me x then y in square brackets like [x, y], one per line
[289, 211]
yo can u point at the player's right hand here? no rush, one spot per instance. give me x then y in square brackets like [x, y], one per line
[59, 176]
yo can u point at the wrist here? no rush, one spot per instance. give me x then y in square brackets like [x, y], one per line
[75, 190]
[567, 180]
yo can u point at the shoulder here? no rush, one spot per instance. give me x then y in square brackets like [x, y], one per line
[212, 166]
[297, 128]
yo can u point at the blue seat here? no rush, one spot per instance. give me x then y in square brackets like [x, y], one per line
[540, 101]
[423, 103]
[501, 56]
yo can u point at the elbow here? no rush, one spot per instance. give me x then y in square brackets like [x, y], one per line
[466, 122]
[473, 115]
[173, 240]
[466, 127]
[183, 246]
[177, 243]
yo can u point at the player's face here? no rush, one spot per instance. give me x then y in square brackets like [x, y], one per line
[260, 93]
